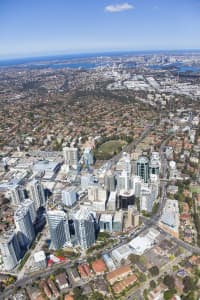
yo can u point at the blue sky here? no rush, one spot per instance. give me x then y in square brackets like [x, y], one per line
[42, 27]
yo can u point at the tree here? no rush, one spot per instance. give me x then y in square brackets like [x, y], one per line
[154, 271]
[169, 281]
[169, 294]
[134, 258]
[152, 284]
[188, 284]
[97, 296]
[78, 294]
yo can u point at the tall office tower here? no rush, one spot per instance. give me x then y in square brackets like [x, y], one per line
[126, 198]
[147, 197]
[28, 203]
[112, 201]
[137, 183]
[118, 221]
[143, 168]
[10, 250]
[86, 180]
[69, 196]
[58, 228]
[154, 166]
[124, 164]
[109, 182]
[24, 226]
[17, 194]
[133, 216]
[106, 222]
[84, 225]
[70, 157]
[97, 193]
[88, 157]
[37, 193]
[124, 181]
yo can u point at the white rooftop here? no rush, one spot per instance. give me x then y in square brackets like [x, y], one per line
[39, 256]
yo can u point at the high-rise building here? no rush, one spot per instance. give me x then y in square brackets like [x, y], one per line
[154, 166]
[37, 193]
[118, 221]
[124, 164]
[24, 226]
[17, 194]
[88, 157]
[133, 216]
[124, 181]
[143, 168]
[58, 228]
[84, 225]
[105, 222]
[70, 157]
[86, 180]
[136, 184]
[147, 198]
[10, 250]
[97, 193]
[126, 198]
[31, 207]
[69, 196]
[109, 182]
[112, 201]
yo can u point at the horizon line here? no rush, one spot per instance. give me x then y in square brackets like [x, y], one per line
[56, 54]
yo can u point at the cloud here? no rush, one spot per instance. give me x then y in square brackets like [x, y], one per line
[119, 7]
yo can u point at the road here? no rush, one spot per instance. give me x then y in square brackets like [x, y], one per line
[138, 293]
[153, 222]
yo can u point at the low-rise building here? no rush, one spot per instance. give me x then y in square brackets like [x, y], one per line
[61, 280]
[120, 286]
[118, 274]
[99, 266]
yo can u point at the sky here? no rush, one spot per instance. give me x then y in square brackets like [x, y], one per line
[44, 27]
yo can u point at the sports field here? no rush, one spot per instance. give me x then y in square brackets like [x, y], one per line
[110, 148]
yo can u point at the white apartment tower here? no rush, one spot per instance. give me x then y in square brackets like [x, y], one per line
[37, 193]
[24, 226]
[84, 228]
[31, 207]
[58, 228]
[10, 250]
[70, 157]
[17, 194]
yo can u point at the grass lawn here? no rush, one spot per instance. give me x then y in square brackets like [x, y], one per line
[110, 148]
[195, 189]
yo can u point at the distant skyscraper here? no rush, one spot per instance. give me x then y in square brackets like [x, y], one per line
[10, 250]
[143, 168]
[31, 207]
[124, 181]
[37, 193]
[154, 166]
[84, 225]
[70, 157]
[58, 228]
[88, 157]
[17, 194]
[137, 183]
[24, 226]
[109, 182]
[124, 164]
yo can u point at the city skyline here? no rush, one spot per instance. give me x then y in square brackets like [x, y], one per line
[46, 28]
